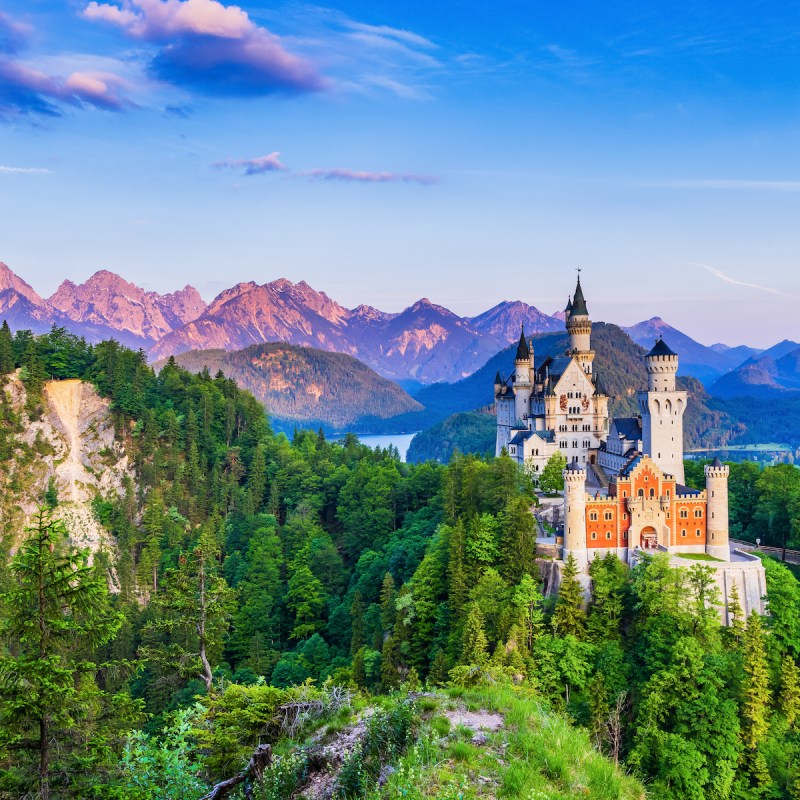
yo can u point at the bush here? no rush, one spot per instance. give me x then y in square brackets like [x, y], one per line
[387, 736]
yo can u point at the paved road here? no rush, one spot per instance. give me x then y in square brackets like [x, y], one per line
[792, 556]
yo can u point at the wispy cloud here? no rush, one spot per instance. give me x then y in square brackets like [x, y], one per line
[253, 166]
[356, 176]
[272, 163]
[734, 185]
[723, 276]
[210, 47]
[5, 170]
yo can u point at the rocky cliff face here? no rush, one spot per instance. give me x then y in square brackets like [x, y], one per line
[72, 442]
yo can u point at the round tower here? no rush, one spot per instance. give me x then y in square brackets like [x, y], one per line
[579, 328]
[717, 541]
[662, 366]
[575, 513]
[662, 407]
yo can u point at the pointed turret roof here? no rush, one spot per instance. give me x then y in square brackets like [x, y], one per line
[569, 305]
[523, 351]
[497, 378]
[578, 302]
[716, 462]
[660, 349]
[599, 386]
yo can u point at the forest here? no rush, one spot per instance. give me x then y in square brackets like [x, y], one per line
[257, 572]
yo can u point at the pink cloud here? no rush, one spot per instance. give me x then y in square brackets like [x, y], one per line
[214, 48]
[342, 174]
[156, 20]
[253, 166]
[24, 90]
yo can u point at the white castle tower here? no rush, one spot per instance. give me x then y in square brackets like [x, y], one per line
[523, 377]
[717, 542]
[662, 407]
[579, 327]
[575, 516]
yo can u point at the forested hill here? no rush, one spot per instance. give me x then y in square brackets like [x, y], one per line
[301, 594]
[304, 386]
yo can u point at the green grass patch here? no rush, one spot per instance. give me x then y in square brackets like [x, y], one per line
[698, 557]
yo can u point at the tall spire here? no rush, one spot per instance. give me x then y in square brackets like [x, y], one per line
[578, 302]
[523, 351]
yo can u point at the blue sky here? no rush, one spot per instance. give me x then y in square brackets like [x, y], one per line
[468, 152]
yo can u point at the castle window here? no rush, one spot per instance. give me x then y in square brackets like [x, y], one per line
[624, 516]
[594, 534]
[625, 536]
[593, 516]
[608, 515]
[697, 532]
[652, 493]
[683, 532]
[641, 492]
[646, 478]
[608, 534]
[624, 494]
[684, 513]
[698, 512]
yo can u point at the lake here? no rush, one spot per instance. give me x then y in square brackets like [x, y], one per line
[400, 440]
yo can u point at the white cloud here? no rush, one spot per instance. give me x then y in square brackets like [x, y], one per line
[24, 170]
[723, 276]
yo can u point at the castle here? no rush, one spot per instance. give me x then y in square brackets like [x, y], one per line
[624, 486]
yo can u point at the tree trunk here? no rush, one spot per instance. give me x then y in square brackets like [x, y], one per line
[44, 758]
[201, 630]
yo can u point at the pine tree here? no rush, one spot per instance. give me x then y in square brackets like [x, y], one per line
[457, 588]
[388, 610]
[569, 617]
[357, 623]
[789, 698]
[474, 649]
[517, 540]
[190, 614]
[756, 700]
[736, 627]
[6, 349]
[57, 605]
[256, 480]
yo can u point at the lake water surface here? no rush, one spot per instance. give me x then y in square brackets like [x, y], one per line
[400, 440]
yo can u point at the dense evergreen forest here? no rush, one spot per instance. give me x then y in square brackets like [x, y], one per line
[259, 575]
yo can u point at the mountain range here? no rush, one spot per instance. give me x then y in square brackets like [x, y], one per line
[421, 345]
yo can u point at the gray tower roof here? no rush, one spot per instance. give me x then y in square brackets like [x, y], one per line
[578, 302]
[661, 349]
[523, 351]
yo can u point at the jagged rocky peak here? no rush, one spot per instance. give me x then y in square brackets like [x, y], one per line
[12, 281]
[109, 300]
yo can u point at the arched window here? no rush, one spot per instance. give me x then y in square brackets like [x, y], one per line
[697, 532]
[652, 492]
[698, 512]
[593, 516]
[684, 513]
[683, 532]
[608, 515]
[608, 534]
[641, 492]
